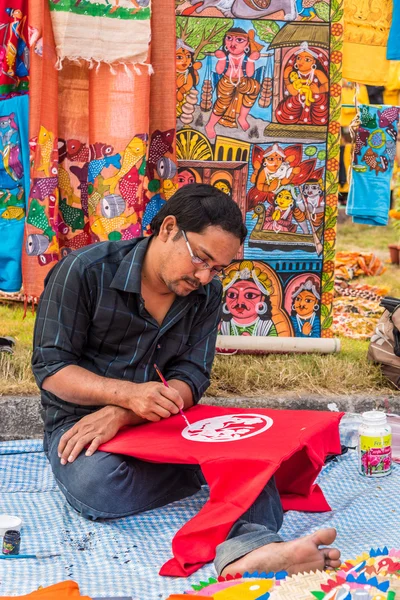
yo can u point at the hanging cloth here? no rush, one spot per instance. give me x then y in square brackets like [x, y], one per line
[94, 137]
[97, 32]
[14, 51]
[243, 449]
[373, 159]
[393, 47]
[366, 31]
[14, 188]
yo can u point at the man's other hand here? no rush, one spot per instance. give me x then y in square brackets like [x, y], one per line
[91, 431]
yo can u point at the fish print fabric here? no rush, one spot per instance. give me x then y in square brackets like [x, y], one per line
[14, 184]
[102, 146]
[238, 450]
[373, 159]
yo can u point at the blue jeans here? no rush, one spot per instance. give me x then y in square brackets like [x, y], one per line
[110, 486]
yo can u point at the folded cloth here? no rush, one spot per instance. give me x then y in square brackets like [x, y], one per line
[373, 159]
[238, 450]
[66, 590]
[101, 32]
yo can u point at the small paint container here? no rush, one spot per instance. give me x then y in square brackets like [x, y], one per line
[11, 542]
[8, 522]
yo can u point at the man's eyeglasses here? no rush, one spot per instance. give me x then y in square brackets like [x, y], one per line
[199, 263]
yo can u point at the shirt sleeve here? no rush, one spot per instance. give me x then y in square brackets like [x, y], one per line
[193, 366]
[62, 320]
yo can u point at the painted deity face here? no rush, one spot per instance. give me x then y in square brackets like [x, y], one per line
[304, 61]
[312, 191]
[236, 43]
[185, 177]
[242, 299]
[17, 14]
[221, 185]
[284, 199]
[304, 303]
[272, 162]
[183, 60]
[5, 122]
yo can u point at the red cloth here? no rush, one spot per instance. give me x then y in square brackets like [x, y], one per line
[293, 448]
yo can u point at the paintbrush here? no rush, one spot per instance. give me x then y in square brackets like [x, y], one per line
[161, 376]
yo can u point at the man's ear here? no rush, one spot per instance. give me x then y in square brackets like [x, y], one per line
[168, 228]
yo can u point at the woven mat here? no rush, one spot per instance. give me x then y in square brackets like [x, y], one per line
[123, 557]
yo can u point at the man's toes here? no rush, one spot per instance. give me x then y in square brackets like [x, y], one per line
[324, 537]
[333, 564]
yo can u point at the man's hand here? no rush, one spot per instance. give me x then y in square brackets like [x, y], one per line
[154, 401]
[95, 429]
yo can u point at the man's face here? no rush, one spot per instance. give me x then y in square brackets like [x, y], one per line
[213, 245]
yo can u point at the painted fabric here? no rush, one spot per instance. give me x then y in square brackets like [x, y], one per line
[373, 159]
[14, 51]
[14, 187]
[102, 145]
[114, 32]
[350, 265]
[65, 590]
[226, 441]
[366, 32]
[356, 317]
[393, 46]
[258, 109]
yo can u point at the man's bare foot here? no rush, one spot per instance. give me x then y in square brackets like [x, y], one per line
[298, 556]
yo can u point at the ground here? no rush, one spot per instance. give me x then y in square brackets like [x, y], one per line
[345, 373]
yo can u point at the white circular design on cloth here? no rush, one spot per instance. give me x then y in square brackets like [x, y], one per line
[227, 428]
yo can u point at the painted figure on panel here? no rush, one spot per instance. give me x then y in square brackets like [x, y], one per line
[306, 88]
[305, 306]
[275, 167]
[187, 76]
[284, 214]
[252, 302]
[312, 201]
[185, 176]
[237, 88]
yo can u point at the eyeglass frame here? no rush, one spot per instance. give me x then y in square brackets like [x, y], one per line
[197, 261]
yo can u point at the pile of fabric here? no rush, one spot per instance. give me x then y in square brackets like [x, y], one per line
[357, 305]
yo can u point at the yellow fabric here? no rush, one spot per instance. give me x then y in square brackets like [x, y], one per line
[366, 31]
[348, 91]
[343, 189]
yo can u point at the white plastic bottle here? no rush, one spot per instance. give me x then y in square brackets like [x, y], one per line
[374, 445]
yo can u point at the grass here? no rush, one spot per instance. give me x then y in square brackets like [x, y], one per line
[345, 373]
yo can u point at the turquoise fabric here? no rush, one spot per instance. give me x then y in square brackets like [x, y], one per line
[14, 188]
[393, 46]
[371, 170]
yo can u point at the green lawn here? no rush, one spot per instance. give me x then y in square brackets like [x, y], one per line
[344, 373]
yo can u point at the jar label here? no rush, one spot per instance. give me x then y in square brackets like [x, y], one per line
[375, 454]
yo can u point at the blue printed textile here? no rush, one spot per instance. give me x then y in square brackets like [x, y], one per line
[373, 159]
[14, 185]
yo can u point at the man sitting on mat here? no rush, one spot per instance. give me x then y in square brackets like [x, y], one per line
[111, 310]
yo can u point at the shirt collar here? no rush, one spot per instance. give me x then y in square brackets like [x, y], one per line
[128, 275]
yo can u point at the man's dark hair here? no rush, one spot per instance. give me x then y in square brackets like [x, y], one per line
[197, 206]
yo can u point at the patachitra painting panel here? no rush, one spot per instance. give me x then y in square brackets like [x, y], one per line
[258, 104]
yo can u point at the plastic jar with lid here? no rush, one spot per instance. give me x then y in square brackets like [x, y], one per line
[374, 445]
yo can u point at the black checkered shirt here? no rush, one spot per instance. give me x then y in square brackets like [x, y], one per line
[92, 314]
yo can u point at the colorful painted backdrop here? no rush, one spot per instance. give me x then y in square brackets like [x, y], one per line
[258, 104]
